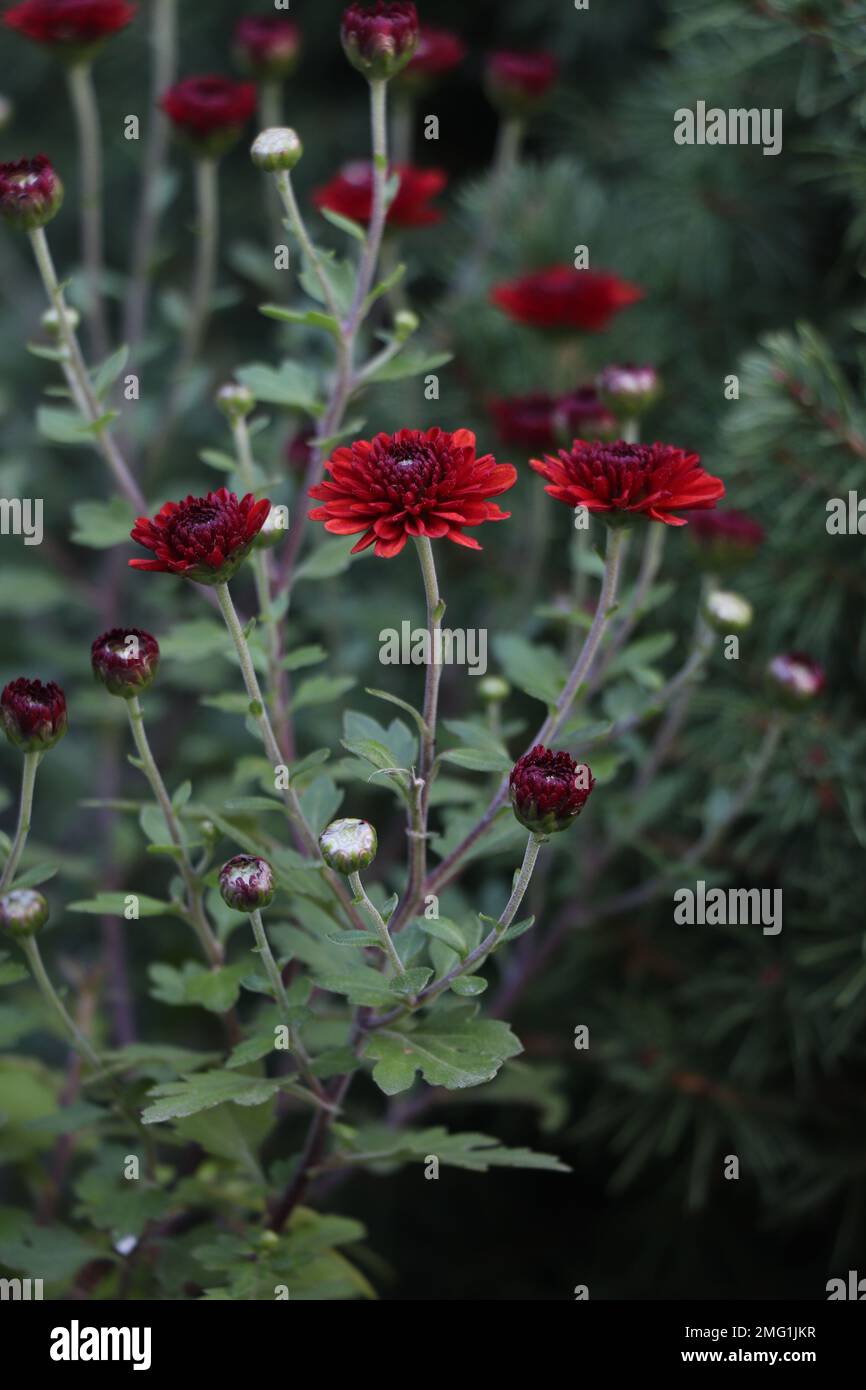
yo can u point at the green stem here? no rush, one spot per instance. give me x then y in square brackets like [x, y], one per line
[86, 109]
[286, 192]
[420, 805]
[76, 367]
[73, 1032]
[25, 811]
[360, 895]
[204, 274]
[276, 981]
[211, 947]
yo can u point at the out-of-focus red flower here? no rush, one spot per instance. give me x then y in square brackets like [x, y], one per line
[539, 421]
[519, 83]
[267, 45]
[30, 192]
[438, 52]
[380, 39]
[796, 678]
[300, 450]
[210, 112]
[70, 24]
[562, 297]
[548, 790]
[621, 481]
[33, 714]
[725, 539]
[201, 538]
[409, 484]
[351, 194]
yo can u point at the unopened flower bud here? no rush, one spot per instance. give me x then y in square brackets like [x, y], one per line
[493, 689]
[628, 391]
[379, 40]
[51, 321]
[348, 845]
[30, 192]
[274, 530]
[23, 912]
[794, 679]
[276, 149]
[235, 401]
[125, 660]
[247, 883]
[549, 790]
[726, 612]
[405, 324]
[33, 714]
[267, 46]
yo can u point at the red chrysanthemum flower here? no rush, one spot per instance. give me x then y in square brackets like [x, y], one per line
[202, 538]
[725, 540]
[380, 39]
[267, 45]
[351, 194]
[69, 23]
[411, 484]
[30, 192]
[438, 52]
[210, 112]
[549, 790]
[33, 714]
[795, 678]
[539, 421]
[518, 83]
[562, 297]
[622, 480]
[125, 660]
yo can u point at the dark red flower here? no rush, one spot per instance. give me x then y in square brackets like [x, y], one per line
[300, 449]
[201, 538]
[125, 660]
[622, 480]
[562, 297]
[519, 83]
[351, 194]
[267, 45]
[69, 23]
[210, 112]
[247, 883]
[33, 714]
[795, 678]
[411, 484]
[539, 421]
[548, 790]
[725, 540]
[438, 51]
[380, 39]
[30, 192]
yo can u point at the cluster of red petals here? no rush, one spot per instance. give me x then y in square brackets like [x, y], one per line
[412, 483]
[536, 421]
[267, 42]
[562, 297]
[122, 665]
[351, 194]
[730, 527]
[202, 538]
[381, 28]
[69, 21]
[28, 187]
[201, 105]
[32, 712]
[529, 74]
[548, 789]
[438, 51]
[656, 481]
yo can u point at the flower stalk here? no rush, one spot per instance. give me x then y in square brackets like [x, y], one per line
[86, 109]
[379, 924]
[25, 811]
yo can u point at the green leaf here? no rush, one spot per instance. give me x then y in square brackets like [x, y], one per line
[49, 1253]
[411, 981]
[349, 938]
[517, 929]
[363, 986]
[304, 656]
[63, 426]
[215, 458]
[194, 641]
[216, 990]
[327, 560]
[410, 363]
[321, 690]
[101, 525]
[115, 905]
[449, 1050]
[344, 224]
[478, 759]
[538, 670]
[468, 986]
[350, 430]
[291, 384]
[372, 751]
[475, 1152]
[311, 317]
[109, 371]
[384, 286]
[203, 1091]
[443, 929]
[401, 704]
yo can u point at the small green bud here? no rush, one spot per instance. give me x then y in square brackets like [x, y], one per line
[23, 912]
[406, 322]
[51, 321]
[235, 401]
[493, 689]
[276, 150]
[727, 612]
[348, 845]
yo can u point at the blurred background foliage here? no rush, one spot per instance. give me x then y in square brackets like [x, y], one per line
[704, 1041]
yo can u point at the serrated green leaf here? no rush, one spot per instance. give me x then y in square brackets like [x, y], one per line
[449, 1051]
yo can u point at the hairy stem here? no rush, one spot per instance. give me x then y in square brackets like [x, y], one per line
[75, 366]
[379, 924]
[86, 110]
[25, 811]
[433, 677]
